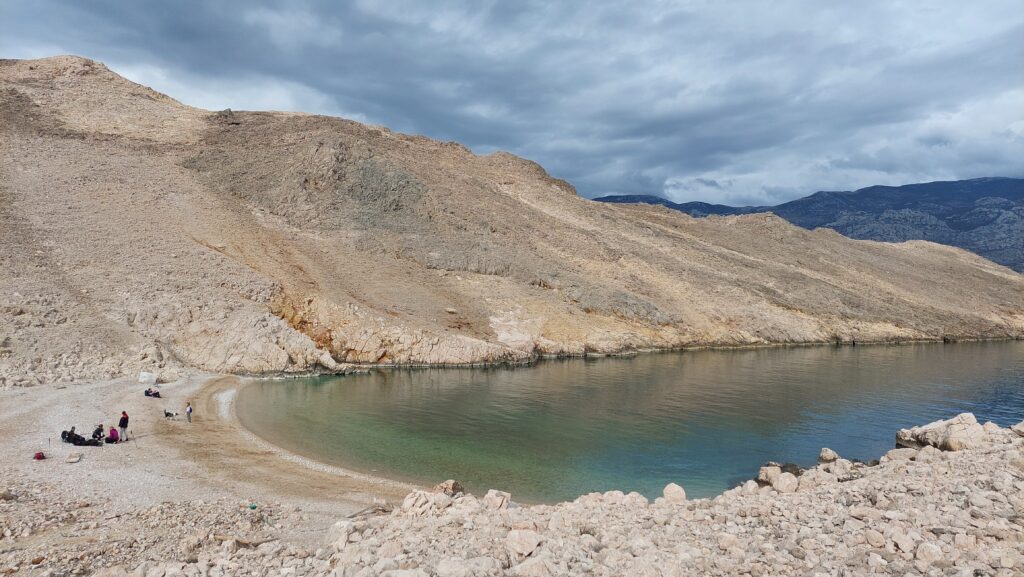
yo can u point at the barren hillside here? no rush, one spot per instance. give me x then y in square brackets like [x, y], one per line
[136, 232]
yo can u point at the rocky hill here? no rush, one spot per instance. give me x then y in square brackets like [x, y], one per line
[982, 215]
[139, 233]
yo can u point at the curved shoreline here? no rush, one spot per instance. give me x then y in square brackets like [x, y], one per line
[307, 442]
[182, 498]
[227, 407]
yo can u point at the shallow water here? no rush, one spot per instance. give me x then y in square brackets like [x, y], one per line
[704, 419]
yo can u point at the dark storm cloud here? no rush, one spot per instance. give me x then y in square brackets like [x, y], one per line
[746, 102]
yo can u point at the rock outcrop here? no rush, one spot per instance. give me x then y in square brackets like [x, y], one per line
[961, 432]
[139, 234]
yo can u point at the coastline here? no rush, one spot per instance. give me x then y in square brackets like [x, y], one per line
[203, 499]
[356, 368]
[227, 407]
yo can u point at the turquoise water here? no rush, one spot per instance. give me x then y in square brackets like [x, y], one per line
[704, 419]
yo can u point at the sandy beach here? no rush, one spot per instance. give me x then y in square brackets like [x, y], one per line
[212, 459]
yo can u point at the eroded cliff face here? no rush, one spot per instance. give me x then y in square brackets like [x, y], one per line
[141, 233]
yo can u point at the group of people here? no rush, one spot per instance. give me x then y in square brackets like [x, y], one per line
[99, 434]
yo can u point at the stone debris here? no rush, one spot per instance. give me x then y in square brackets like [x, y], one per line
[927, 512]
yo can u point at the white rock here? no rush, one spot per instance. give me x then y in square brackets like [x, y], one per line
[904, 542]
[874, 538]
[536, 567]
[900, 454]
[827, 455]
[960, 432]
[1018, 428]
[785, 483]
[496, 499]
[453, 567]
[768, 474]
[674, 493]
[522, 542]
[727, 541]
[928, 552]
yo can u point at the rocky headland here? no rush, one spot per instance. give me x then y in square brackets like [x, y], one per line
[137, 233]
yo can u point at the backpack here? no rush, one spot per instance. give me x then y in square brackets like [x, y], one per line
[39, 456]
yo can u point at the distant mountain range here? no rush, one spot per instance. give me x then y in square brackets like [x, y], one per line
[982, 215]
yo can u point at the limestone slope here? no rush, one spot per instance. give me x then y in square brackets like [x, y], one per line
[136, 232]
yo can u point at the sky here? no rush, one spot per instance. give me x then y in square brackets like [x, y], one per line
[739, 102]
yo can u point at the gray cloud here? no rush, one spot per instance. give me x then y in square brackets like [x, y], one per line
[749, 102]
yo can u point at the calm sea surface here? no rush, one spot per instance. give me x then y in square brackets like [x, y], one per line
[704, 419]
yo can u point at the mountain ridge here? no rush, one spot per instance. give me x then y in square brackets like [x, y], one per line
[984, 215]
[137, 233]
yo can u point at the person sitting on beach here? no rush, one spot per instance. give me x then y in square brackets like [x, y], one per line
[113, 437]
[151, 392]
[98, 432]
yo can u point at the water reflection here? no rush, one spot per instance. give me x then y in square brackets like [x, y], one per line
[705, 419]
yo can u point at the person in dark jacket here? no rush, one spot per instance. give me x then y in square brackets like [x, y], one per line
[123, 426]
[98, 434]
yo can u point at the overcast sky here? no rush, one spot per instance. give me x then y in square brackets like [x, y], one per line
[748, 102]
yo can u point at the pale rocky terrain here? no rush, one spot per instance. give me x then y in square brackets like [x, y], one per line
[137, 233]
[918, 512]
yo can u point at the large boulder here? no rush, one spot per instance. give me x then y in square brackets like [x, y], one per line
[827, 455]
[674, 493]
[522, 542]
[785, 483]
[767, 474]
[960, 432]
[497, 500]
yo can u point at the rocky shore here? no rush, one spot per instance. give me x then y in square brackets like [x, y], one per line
[951, 504]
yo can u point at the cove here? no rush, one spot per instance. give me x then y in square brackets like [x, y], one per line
[704, 419]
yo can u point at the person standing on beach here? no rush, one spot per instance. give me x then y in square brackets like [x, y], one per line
[123, 425]
[188, 411]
